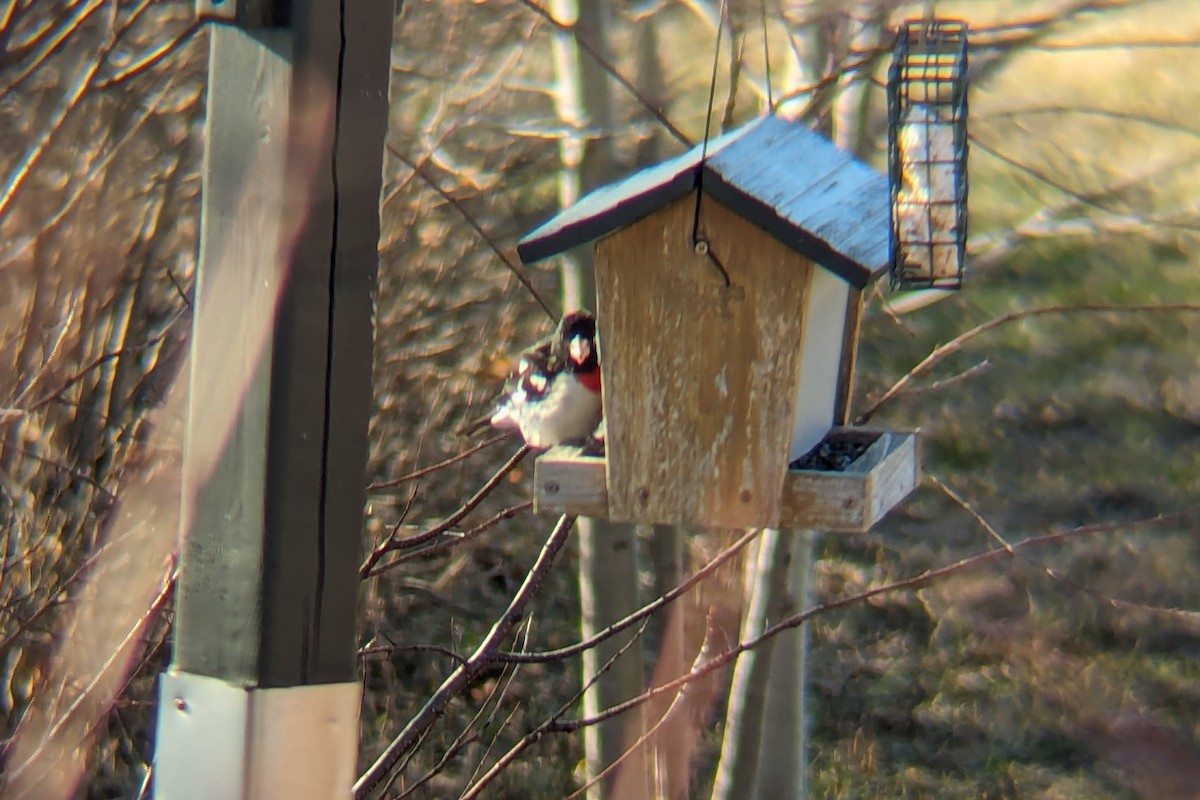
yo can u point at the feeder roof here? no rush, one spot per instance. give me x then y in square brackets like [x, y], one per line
[792, 182]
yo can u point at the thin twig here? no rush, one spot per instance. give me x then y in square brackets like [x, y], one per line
[641, 613]
[453, 539]
[940, 352]
[423, 471]
[953, 380]
[612, 71]
[369, 651]
[528, 740]
[391, 543]
[1051, 572]
[84, 693]
[454, 202]
[677, 704]
[481, 658]
[915, 582]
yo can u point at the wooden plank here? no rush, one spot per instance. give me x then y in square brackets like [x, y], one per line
[219, 619]
[359, 53]
[896, 476]
[825, 501]
[850, 501]
[321, 393]
[700, 378]
[855, 499]
[567, 483]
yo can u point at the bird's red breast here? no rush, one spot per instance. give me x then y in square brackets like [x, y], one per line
[590, 380]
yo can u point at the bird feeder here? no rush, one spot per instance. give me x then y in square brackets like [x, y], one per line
[927, 154]
[729, 293]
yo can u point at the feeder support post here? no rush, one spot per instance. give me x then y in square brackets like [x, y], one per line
[261, 699]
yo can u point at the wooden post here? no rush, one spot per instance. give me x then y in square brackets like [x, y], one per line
[261, 699]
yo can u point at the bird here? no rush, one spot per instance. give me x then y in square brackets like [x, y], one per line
[554, 394]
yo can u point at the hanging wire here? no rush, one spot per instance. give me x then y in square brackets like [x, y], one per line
[699, 244]
[767, 59]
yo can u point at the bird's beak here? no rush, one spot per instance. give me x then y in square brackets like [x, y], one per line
[579, 349]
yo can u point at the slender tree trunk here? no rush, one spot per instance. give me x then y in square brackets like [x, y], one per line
[851, 107]
[763, 587]
[783, 757]
[607, 552]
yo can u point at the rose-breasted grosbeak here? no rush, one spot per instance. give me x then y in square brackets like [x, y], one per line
[554, 397]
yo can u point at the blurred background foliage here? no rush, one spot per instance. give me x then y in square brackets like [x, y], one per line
[1070, 673]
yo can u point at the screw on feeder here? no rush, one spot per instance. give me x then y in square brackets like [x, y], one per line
[701, 247]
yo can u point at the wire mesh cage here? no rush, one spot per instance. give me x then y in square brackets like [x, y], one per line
[927, 154]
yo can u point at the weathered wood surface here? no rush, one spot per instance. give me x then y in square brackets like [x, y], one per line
[700, 378]
[567, 483]
[219, 620]
[847, 502]
[289, 236]
[855, 499]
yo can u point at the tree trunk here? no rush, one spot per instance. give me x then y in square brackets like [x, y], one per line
[764, 585]
[783, 757]
[607, 553]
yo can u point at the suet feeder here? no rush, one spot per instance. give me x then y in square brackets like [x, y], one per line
[927, 154]
[729, 292]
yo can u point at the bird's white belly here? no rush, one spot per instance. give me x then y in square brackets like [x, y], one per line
[570, 412]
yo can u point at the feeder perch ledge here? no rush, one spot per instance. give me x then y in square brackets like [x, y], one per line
[840, 501]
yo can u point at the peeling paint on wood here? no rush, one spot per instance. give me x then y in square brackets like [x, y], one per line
[700, 379]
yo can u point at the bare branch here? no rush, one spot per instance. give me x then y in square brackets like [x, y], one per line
[915, 582]
[453, 538]
[1050, 572]
[508, 260]
[533, 737]
[476, 662]
[391, 543]
[613, 72]
[940, 352]
[423, 471]
[642, 613]
[385, 650]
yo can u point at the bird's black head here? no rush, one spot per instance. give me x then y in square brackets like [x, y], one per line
[578, 341]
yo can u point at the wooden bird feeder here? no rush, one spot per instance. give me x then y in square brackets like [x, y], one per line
[729, 293]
